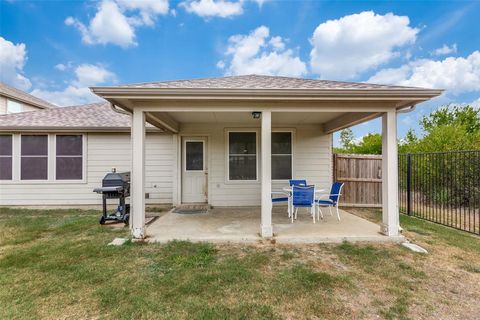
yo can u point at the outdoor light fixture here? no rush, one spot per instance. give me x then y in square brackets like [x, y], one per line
[256, 115]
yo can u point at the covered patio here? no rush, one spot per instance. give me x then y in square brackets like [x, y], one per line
[240, 224]
[204, 112]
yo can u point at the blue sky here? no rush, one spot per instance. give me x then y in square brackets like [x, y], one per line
[56, 49]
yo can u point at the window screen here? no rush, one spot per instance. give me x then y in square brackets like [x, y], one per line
[69, 157]
[6, 157]
[34, 157]
[242, 155]
[194, 155]
[281, 155]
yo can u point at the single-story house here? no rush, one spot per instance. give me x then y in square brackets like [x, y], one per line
[13, 100]
[225, 141]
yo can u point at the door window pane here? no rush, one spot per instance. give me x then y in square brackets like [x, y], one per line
[69, 157]
[34, 157]
[194, 155]
[242, 162]
[281, 155]
[5, 157]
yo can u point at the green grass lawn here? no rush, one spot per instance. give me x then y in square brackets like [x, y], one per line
[56, 264]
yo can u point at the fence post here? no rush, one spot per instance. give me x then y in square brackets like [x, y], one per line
[409, 184]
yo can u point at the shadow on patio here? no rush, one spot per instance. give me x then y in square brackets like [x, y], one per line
[243, 225]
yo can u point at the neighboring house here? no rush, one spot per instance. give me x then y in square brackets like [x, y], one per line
[223, 141]
[14, 101]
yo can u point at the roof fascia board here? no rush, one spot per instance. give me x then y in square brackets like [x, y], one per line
[269, 94]
[26, 101]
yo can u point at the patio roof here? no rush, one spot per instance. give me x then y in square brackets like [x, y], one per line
[260, 87]
[254, 81]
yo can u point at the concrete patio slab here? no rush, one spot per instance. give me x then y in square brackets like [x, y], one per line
[243, 225]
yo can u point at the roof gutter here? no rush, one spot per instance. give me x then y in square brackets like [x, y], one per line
[407, 109]
[117, 110]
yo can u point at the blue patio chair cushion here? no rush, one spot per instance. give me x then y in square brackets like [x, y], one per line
[325, 202]
[303, 196]
[298, 182]
[279, 199]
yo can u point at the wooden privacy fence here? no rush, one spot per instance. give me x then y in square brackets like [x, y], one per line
[362, 175]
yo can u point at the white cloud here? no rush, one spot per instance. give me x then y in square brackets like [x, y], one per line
[346, 47]
[445, 50]
[213, 8]
[258, 53]
[77, 91]
[115, 21]
[12, 60]
[60, 67]
[455, 74]
[148, 9]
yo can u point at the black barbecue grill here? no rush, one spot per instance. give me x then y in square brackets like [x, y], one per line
[115, 185]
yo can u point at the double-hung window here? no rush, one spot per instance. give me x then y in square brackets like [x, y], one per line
[34, 157]
[69, 157]
[242, 156]
[281, 155]
[6, 159]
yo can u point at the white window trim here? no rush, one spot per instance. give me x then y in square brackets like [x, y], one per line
[84, 162]
[292, 132]
[185, 154]
[227, 155]
[11, 156]
[17, 155]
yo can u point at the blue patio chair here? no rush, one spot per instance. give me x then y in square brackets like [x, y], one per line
[330, 200]
[303, 197]
[297, 182]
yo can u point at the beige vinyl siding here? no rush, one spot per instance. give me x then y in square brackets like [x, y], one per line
[311, 160]
[3, 105]
[104, 152]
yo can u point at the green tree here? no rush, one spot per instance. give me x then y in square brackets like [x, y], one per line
[346, 138]
[370, 144]
[447, 128]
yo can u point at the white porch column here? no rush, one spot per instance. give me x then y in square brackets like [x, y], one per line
[390, 215]
[137, 208]
[266, 156]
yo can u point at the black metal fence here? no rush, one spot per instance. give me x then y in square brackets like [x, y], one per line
[442, 187]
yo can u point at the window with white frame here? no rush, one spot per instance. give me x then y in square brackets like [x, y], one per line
[14, 106]
[69, 157]
[6, 157]
[34, 157]
[281, 155]
[242, 156]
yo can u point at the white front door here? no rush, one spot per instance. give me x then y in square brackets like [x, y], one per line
[194, 170]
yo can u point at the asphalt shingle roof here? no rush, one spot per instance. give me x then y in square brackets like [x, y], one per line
[27, 98]
[89, 116]
[258, 82]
